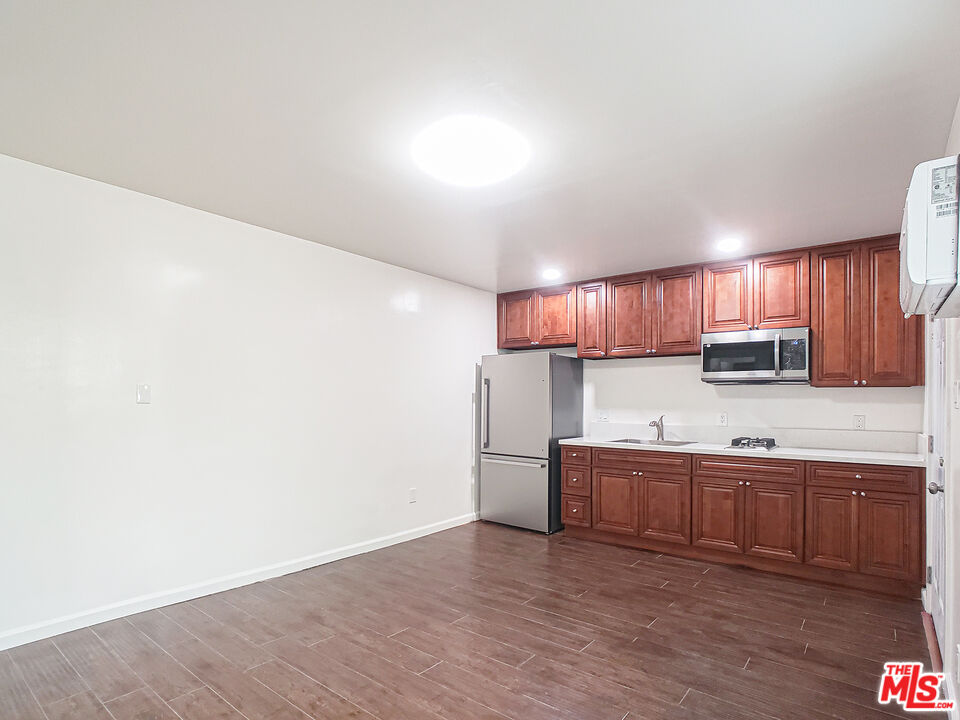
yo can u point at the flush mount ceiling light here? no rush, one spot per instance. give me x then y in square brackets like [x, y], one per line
[470, 151]
[729, 244]
[551, 274]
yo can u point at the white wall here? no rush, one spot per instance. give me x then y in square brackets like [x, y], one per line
[298, 393]
[633, 392]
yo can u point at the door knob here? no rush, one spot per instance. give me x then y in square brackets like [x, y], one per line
[933, 488]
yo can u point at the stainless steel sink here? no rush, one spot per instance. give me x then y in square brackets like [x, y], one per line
[654, 442]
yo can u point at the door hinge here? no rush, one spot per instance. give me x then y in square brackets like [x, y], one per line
[929, 574]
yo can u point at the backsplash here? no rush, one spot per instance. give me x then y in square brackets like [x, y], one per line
[622, 396]
[890, 441]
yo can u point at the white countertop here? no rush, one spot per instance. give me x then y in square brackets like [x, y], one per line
[869, 457]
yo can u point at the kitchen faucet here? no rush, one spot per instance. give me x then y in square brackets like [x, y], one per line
[658, 424]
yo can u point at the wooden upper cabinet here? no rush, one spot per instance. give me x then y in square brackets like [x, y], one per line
[592, 319]
[859, 334]
[531, 318]
[628, 322]
[835, 316]
[781, 290]
[516, 319]
[727, 296]
[557, 315]
[890, 353]
[770, 291]
[676, 311]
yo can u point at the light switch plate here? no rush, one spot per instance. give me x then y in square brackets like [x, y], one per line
[413, 495]
[143, 395]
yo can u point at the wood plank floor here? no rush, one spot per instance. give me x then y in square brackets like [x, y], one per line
[485, 622]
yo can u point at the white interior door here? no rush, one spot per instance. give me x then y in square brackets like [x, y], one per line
[936, 478]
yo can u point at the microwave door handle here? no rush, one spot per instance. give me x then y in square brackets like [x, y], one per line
[776, 354]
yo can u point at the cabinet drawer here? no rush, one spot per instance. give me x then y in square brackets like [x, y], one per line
[865, 477]
[574, 455]
[662, 461]
[575, 510]
[748, 468]
[576, 480]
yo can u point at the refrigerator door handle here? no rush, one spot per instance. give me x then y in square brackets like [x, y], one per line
[514, 462]
[485, 427]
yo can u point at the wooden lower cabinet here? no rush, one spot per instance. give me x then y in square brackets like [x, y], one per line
[889, 534]
[718, 514]
[575, 510]
[665, 507]
[785, 516]
[831, 532]
[773, 521]
[869, 532]
[615, 503]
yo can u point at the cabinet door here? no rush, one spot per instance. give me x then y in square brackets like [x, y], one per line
[592, 320]
[718, 514]
[557, 315]
[665, 507]
[676, 311]
[773, 525]
[890, 350]
[727, 296]
[835, 316]
[628, 327]
[831, 528]
[890, 535]
[781, 290]
[516, 319]
[614, 501]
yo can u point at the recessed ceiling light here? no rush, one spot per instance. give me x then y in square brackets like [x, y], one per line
[551, 274]
[470, 150]
[729, 244]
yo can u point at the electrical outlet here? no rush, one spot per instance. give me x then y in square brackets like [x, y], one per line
[413, 495]
[603, 416]
[722, 419]
[859, 422]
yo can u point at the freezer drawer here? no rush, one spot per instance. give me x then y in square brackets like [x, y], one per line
[515, 491]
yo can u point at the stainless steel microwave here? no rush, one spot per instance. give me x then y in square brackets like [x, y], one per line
[756, 356]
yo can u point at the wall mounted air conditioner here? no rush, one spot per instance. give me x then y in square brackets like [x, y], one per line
[928, 241]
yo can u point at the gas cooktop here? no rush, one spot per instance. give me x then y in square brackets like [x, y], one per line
[757, 443]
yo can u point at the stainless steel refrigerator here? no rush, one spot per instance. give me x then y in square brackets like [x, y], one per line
[528, 403]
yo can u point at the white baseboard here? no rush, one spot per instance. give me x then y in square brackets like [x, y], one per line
[56, 626]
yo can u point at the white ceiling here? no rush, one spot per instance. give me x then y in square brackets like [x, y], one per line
[657, 127]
